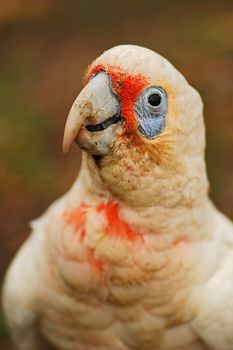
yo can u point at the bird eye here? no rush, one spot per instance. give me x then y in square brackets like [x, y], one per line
[154, 100]
[151, 109]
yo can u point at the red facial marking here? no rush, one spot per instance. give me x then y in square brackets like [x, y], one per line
[128, 87]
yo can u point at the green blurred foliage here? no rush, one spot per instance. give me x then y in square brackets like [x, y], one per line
[44, 48]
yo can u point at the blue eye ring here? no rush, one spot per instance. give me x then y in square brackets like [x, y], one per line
[151, 109]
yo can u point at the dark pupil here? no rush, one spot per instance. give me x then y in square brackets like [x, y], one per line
[154, 99]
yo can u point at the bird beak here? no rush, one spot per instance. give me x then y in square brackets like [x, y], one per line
[94, 117]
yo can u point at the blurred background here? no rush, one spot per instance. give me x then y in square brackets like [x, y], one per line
[45, 46]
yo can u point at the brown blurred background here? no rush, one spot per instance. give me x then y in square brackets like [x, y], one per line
[45, 46]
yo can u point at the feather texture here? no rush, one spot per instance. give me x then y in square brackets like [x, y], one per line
[134, 255]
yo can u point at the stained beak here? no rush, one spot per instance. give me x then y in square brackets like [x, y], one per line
[94, 117]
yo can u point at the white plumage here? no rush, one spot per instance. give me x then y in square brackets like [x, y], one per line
[135, 255]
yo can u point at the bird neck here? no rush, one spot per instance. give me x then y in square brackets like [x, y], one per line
[177, 218]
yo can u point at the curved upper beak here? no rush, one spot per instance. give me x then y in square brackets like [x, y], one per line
[93, 117]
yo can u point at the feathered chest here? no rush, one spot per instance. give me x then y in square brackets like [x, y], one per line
[101, 246]
[106, 274]
[98, 252]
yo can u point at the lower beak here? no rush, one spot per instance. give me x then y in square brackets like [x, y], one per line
[94, 117]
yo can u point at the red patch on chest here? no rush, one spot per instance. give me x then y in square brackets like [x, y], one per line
[77, 218]
[128, 87]
[94, 262]
[114, 226]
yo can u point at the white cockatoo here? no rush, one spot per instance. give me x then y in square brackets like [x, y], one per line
[134, 256]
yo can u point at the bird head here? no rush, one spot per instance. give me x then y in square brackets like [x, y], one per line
[141, 126]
